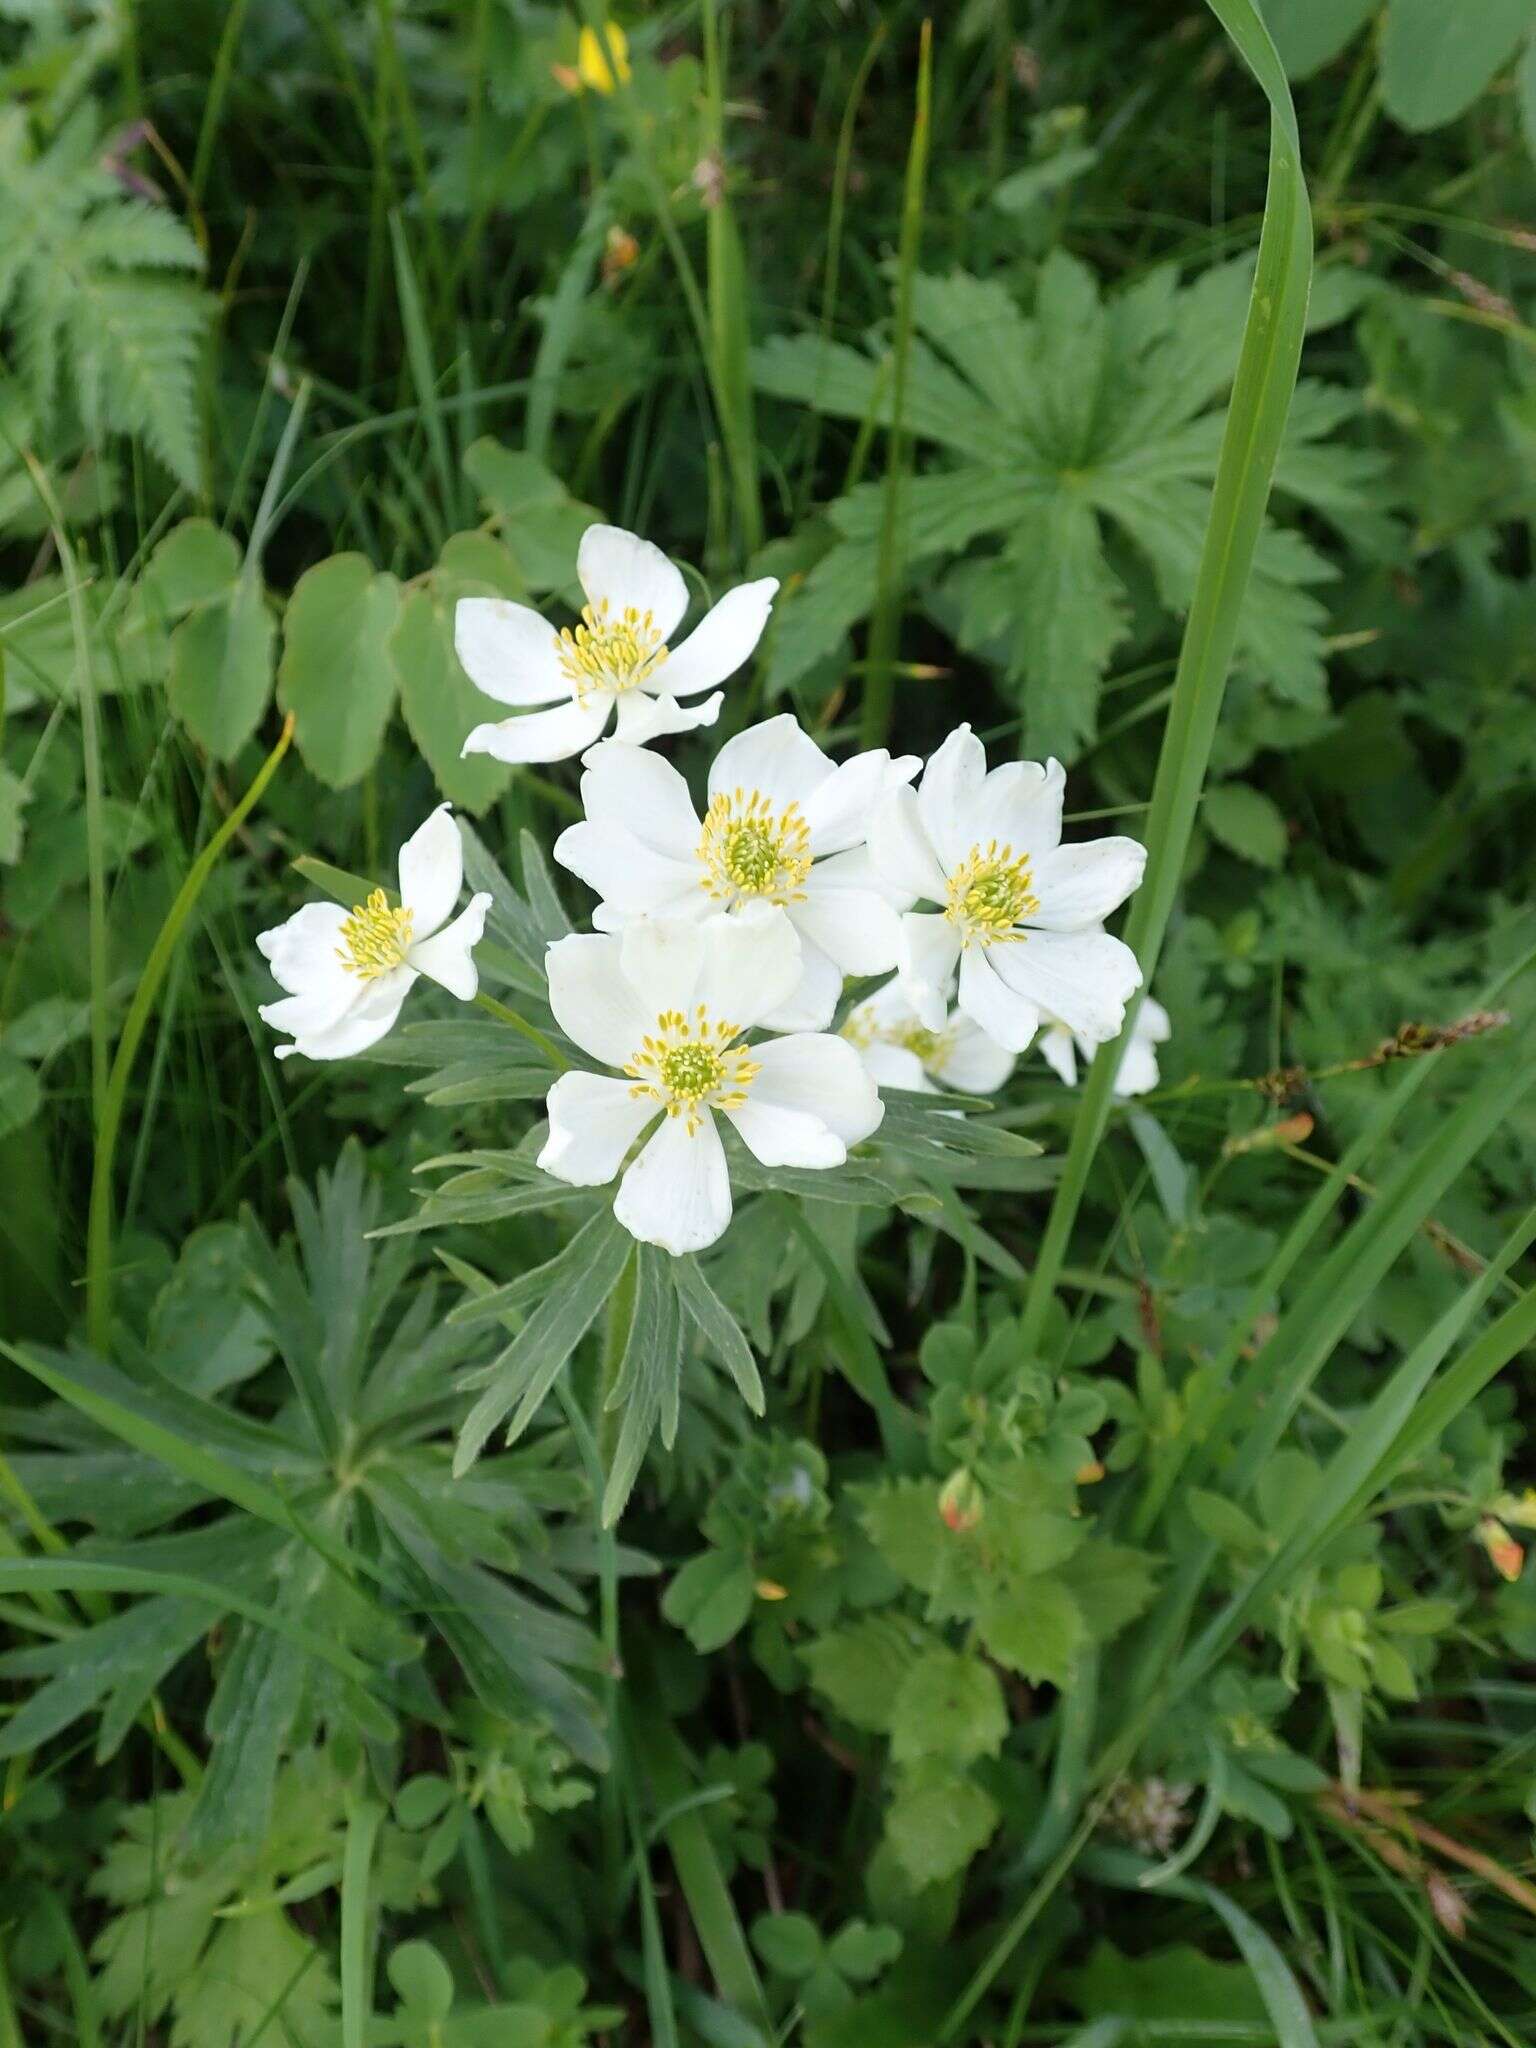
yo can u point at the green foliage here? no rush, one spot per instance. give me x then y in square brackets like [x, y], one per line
[425, 1620]
[1075, 431]
[89, 280]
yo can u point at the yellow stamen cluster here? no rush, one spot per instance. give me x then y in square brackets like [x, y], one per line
[749, 850]
[931, 1047]
[990, 892]
[689, 1064]
[604, 653]
[375, 937]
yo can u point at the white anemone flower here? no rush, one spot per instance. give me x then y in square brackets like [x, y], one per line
[1017, 912]
[348, 971]
[615, 664]
[784, 826]
[901, 1052]
[1137, 1072]
[666, 1004]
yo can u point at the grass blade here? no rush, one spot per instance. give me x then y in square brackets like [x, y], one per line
[1261, 398]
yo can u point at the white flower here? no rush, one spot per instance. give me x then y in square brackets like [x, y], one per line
[784, 826]
[348, 972]
[901, 1052]
[666, 1004]
[615, 662]
[1138, 1062]
[1019, 913]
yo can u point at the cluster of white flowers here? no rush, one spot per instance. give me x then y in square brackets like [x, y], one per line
[722, 942]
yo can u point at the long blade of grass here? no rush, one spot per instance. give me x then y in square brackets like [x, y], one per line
[357, 1862]
[98, 1252]
[1261, 398]
[885, 622]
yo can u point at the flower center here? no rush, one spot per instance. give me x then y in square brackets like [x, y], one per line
[989, 893]
[928, 1045]
[375, 938]
[604, 653]
[688, 1064]
[747, 849]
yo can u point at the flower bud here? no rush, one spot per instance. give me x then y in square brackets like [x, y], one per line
[961, 1502]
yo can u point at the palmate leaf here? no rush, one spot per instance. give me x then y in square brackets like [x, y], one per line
[1064, 431]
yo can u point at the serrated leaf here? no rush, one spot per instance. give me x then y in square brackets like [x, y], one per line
[860, 1668]
[337, 677]
[939, 1819]
[948, 1705]
[1036, 1629]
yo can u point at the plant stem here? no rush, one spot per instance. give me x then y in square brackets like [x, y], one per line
[1261, 397]
[886, 622]
[98, 1255]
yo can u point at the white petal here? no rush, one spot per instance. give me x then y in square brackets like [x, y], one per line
[632, 880]
[593, 1121]
[886, 1010]
[720, 642]
[930, 947]
[626, 570]
[627, 785]
[949, 796]
[544, 735]
[448, 957]
[785, 1137]
[508, 651]
[776, 757]
[857, 928]
[895, 1066]
[810, 1004]
[364, 1024]
[432, 872]
[643, 717]
[1084, 978]
[1137, 1072]
[839, 811]
[971, 1062]
[820, 1075]
[752, 963]
[1021, 807]
[304, 954]
[1080, 885]
[1060, 1053]
[678, 1193]
[663, 959]
[1009, 1019]
[593, 1004]
[1153, 1022]
[899, 849]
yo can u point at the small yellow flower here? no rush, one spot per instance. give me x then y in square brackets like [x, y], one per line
[598, 69]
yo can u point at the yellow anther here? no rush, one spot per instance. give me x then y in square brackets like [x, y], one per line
[749, 850]
[990, 892]
[375, 938]
[610, 654]
[689, 1064]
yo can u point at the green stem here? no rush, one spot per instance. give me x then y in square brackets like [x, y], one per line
[886, 622]
[98, 1255]
[531, 1032]
[1261, 396]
